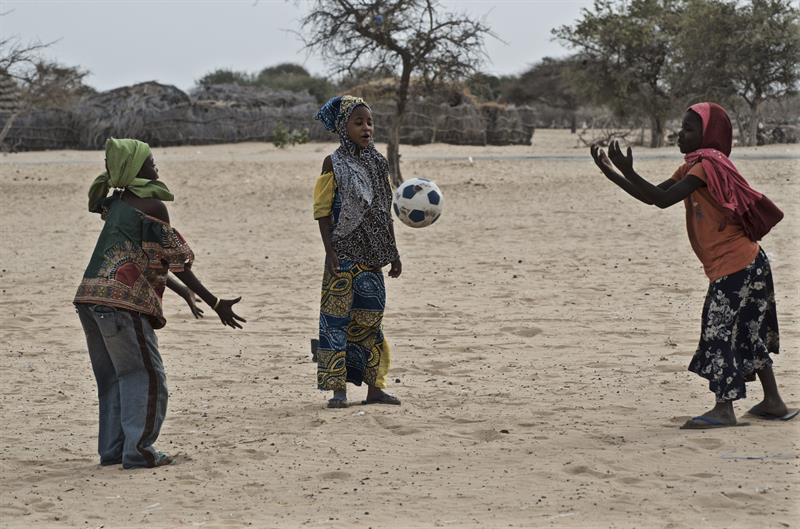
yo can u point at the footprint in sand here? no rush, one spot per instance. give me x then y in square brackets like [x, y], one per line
[583, 469]
[438, 367]
[525, 332]
[42, 505]
[13, 510]
[258, 455]
[709, 443]
[670, 368]
[395, 427]
[461, 420]
[481, 436]
[336, 474]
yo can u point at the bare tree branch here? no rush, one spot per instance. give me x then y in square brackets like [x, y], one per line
[408, 37]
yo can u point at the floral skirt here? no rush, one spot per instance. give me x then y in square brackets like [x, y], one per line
[739, 330]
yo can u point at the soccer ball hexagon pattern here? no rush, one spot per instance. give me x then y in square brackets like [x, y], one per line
[418, 202]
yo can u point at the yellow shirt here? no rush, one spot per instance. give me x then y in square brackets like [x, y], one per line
[324, 192]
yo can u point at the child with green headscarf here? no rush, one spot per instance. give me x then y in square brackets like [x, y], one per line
[119, 302]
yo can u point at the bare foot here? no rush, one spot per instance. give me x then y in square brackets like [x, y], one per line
[337, 403]
[769, 408]
[720, 415]
[378, 396]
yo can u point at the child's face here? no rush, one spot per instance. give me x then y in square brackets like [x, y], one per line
[359, 126]
[690, 137]
[149, 169]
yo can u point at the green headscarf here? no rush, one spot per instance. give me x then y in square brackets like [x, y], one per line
[124, 160]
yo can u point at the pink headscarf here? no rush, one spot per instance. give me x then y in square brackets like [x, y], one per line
[753, 210]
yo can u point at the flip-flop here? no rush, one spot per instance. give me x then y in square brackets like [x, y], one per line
[385, 398]
[704, 423]
[791, 414]
[338, 403]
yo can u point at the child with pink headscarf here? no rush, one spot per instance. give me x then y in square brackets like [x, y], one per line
[725, 218]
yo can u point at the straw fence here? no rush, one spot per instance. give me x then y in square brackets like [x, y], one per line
[163, 115]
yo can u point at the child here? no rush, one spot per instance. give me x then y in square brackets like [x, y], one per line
[352, 201]
[119, 302]
[724, 217]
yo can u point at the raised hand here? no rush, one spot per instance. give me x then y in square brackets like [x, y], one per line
[224, 308]
[623, 162]
[601, 160]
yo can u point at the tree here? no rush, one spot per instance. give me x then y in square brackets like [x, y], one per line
[748, 55]
[490, 87]
[626, 60]
[410, 37]
[293, 77]
[34, 81]
[285, 76]
[549, 82]
[224, 76]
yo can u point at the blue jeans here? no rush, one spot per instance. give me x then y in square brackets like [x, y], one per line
[131, 384]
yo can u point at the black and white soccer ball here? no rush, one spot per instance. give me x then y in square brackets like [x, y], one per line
[418, 202]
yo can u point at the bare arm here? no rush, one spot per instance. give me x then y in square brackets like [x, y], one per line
[325, 230]
[605, 165]
[223, 307]
[397, 265]
[184, 292]
[663, 195]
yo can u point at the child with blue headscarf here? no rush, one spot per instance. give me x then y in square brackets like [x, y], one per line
[352, 203]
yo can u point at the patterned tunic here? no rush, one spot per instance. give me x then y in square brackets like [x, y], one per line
[129, 265]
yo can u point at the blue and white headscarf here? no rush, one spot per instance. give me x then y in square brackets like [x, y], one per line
[328, 113]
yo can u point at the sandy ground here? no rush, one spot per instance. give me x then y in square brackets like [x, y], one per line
[542, 330]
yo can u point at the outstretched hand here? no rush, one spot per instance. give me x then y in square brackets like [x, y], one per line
[226, 315]
[623, 162]
[601, 160]
[192, 300]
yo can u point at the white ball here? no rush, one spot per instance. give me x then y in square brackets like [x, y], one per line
[418, 202]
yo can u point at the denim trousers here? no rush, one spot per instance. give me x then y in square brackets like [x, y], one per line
[131, 384]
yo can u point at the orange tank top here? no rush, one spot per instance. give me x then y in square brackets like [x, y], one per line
[721, 245]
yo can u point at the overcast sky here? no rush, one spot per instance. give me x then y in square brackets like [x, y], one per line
[176, 42]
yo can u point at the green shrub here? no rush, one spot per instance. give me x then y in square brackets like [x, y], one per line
[282, 138]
